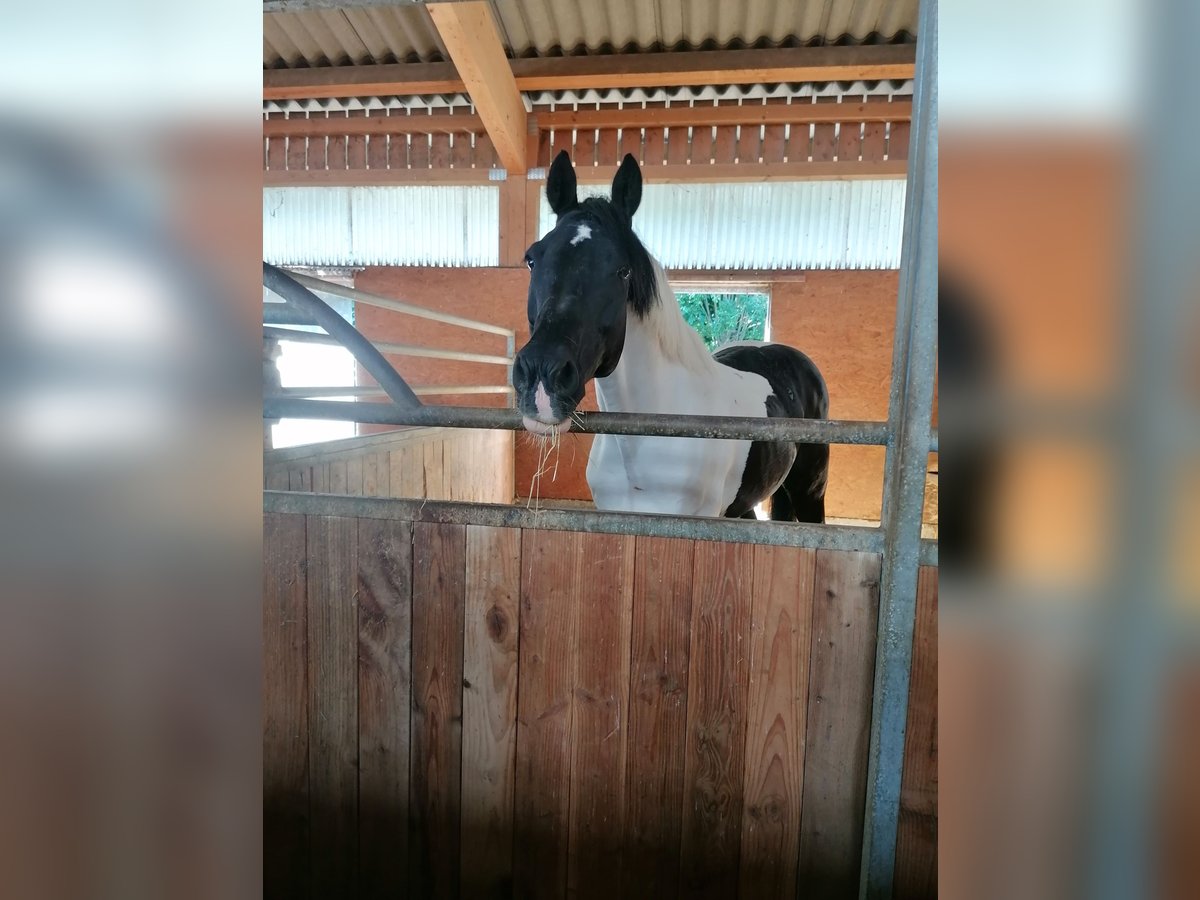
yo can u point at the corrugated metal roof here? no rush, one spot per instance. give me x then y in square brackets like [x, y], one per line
[438, 225]
[785, 225]
[405, 32]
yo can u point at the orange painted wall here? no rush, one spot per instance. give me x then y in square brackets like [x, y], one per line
[843, 320]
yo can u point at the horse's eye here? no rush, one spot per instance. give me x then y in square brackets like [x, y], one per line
[623, 273]
[529, 261]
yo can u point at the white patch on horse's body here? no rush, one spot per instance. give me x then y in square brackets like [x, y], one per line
[582, 233]
[665, 367]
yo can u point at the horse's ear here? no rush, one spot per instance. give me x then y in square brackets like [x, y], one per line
[627, 186]
[560, 185]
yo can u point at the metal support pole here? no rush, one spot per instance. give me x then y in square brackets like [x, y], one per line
[346, 334]
[909, 412]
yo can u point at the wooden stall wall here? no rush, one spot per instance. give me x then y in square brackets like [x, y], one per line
[434, 463]
[472, 711]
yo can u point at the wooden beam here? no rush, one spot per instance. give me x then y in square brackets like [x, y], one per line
[667, 174]
[415, 123]
[742, 114]
[374, 177]
[405, 79]
[693, 279]
[473, 41]
[646, 70]
[752, 172]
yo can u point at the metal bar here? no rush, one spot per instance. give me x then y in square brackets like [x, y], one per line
[285, 314]
[341, 332]
[778, 534]
[420, 312]
[434, 390]
[810, 431]
[909, 411]
[312, 337]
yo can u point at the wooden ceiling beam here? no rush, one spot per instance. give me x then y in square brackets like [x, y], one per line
[473, 41]
[627, 70]
[745, 114]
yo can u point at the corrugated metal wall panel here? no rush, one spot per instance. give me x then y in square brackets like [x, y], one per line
[382, 226]
[797, 225]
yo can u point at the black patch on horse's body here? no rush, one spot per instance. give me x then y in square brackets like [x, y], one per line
[794, 475]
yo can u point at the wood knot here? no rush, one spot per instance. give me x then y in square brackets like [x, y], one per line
[497, 624]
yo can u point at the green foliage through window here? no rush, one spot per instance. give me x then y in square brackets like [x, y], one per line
[721, 318]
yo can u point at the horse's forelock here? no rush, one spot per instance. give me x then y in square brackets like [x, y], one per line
[643, 285]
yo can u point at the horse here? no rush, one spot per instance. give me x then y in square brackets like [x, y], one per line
[600, 307]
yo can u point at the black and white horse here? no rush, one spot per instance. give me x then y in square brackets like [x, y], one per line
[600, 307]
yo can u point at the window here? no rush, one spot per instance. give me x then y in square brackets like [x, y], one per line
[315, 365]
[725, 317]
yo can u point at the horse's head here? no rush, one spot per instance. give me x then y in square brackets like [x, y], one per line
[584, 275]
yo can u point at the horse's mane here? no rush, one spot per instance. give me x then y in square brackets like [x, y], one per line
[650, 294]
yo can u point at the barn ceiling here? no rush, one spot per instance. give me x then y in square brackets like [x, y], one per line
[404, 32]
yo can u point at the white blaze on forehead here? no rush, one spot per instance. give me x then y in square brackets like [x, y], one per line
[581, 234]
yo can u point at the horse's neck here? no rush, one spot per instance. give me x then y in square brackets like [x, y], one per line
[663, 358]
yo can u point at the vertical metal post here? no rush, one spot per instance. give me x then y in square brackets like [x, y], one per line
[910, 406]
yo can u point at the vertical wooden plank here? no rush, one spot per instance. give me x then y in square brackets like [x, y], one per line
[631, 143]
[841, 669]
[276, 154]
[338, 476]
[512, 221]
[585, 148]
[716, 733]
[898, 138]
[678, 145]
[543, 149]
[333, 704]
[655, 151]
[849, 143]
[781, 621]
[725, 144]
[407, 470]
[916, 836]
[749, 143]
[285, 706]
[300, 479]
[658, 691]
[824, 135]
[320, 478]
[354, 474]
[383, 474]
[384, 679]
[702, 145]
[599, 719]
[275, 477]
[418, 151]
[439, 151]
[562, 139]
[432, 454]
[774, 144]
[370, 476]
[297, 153]
[439, 564]
[533, 199]
[493, 590]
[607, 148]
[356, 144]
[336, 152]
[550, 580]
[397, 155]
[460, 150]
[874, 144]
[377, 151]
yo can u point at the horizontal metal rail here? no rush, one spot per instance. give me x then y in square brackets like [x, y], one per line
[445, 512]
[434, 390]
[312, 337]
[809, 431]
[338, 290]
